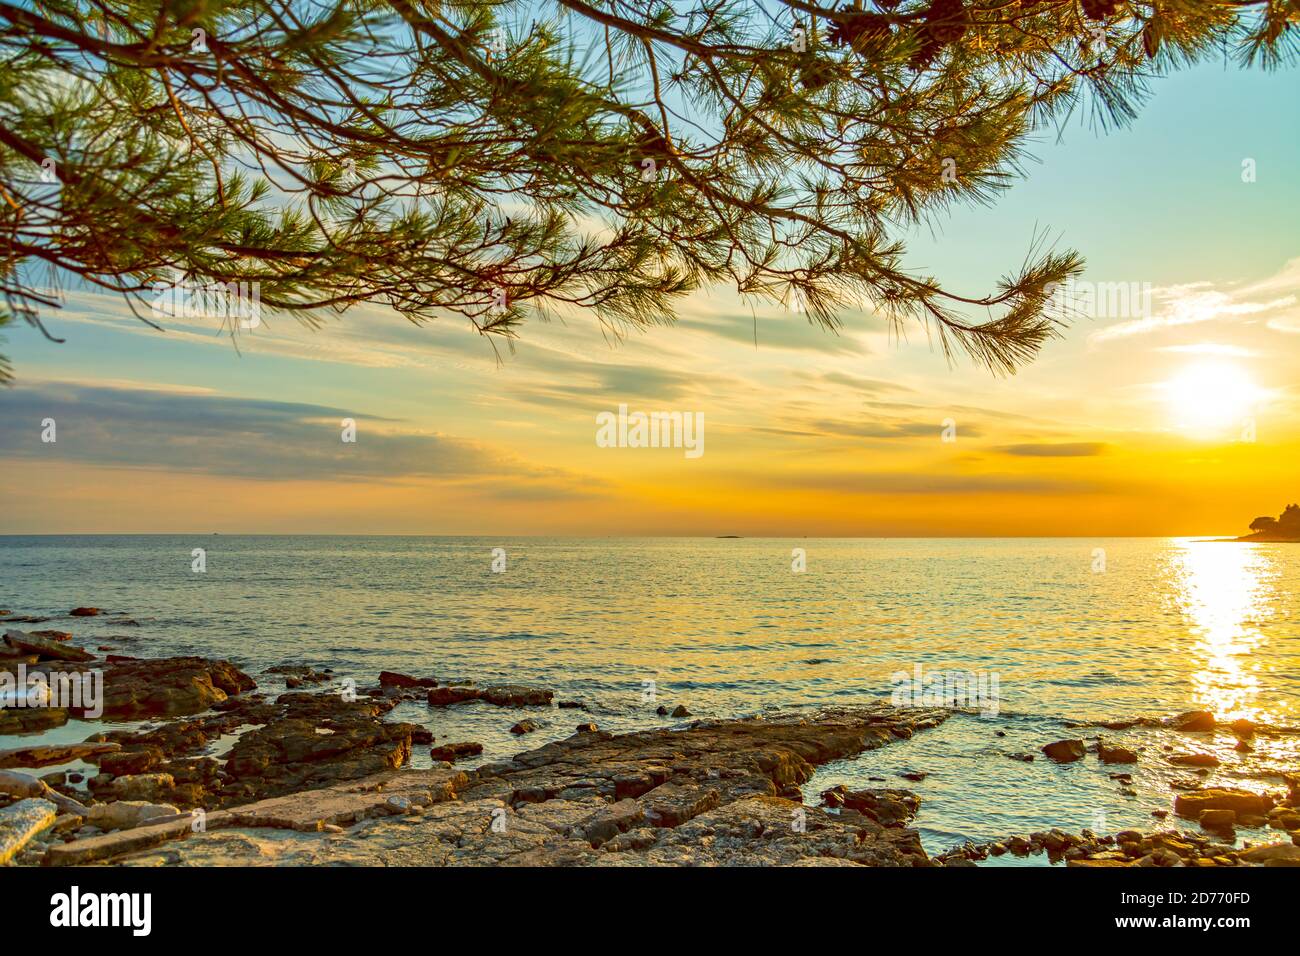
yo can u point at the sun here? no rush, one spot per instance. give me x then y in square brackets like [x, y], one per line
[1211, 397]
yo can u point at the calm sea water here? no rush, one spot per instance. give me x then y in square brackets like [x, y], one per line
[1070, 628]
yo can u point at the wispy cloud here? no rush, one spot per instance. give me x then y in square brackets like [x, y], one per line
[1076, 449]
[181, 430]
[1197, 303]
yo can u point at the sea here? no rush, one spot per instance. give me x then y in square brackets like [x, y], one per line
[1021, 638]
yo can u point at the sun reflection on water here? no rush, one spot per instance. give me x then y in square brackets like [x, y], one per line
[1225, 591]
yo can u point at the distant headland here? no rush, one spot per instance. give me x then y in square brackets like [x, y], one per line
[1285, 527]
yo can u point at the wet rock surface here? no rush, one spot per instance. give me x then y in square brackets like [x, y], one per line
[713, 794]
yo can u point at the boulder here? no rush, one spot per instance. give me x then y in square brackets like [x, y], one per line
[445, 696]
[1114, 754]
[516, 695]
[1194, 721]
[46, 648]
[680, 711]
[16, 784]
[394, 679]
[889, 808]
[84, 612]
[1064, 751]
[524, 727]
[1274, 854]
[1194, 760]
[126, 814]
[1191, 805]
[672, 804]
[22, 822]
[452, 752]
[153, 787]
[604, 825]
[1218, 820]
[169, 686]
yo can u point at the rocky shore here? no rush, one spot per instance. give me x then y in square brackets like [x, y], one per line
[221, 773]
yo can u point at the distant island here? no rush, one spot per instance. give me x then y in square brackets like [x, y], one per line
[1285, 527]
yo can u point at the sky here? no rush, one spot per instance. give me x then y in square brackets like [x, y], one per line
[1174, 413]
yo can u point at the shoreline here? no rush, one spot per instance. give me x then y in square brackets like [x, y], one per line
[210, 770]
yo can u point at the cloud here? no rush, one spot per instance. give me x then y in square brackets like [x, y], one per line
[185, 431]
[880, 428]
[911, 483]
[1199, 302]
[1078, 449]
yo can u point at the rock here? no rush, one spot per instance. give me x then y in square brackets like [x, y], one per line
[705, 794]
[1218, 820]
[680, 711]
[608, 823]
[394, 679]
[524, 727]
[1194, 760]
[1160, 814]
[1064, 751]
[1194, 721]
[1191, 805]
[889, 808]
[84, 612]
[96, 848]
[126, 814]
[672, 804]
[22, 822]
[452, 752]
[1110, 754]
[1275, 854]
[142, 786]
[126, 762]
[27, 720]
[300, 675]
[661, 710]
[46, 648]
[61, 636]
[1242, 727]
[571, 705]
[17, 784]
[397, 804]
[44, 755]
[916, 776]
[314, 740]
[444, 696]
[1023, 758]
[516, 695]
[169, 686]
[587, 728]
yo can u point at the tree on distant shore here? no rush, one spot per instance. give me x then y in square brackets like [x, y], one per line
[494, 159]
[1287, 523]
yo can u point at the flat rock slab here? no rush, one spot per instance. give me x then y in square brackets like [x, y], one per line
[44, 755]
[45, 647]
[379, 795]
[712, 794]
[310, 811]
[22, 822]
